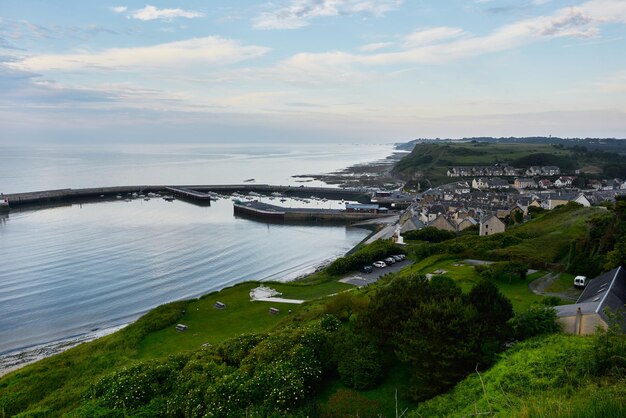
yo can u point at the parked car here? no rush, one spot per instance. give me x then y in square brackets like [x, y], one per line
[580, 282]
[367, 269]
[379, 264]
[390, 260]
[399, 257]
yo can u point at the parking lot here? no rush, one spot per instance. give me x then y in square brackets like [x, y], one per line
[364, 279]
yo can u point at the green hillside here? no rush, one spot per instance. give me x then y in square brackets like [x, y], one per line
[363, 347]
[428, 163]
[555, 376]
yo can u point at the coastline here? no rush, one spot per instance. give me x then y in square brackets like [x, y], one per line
[14, 360]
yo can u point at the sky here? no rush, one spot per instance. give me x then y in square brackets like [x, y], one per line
[309, 70]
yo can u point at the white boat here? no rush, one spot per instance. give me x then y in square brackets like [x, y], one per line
[4, 204]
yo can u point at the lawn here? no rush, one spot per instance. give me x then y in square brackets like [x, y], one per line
[210, 325]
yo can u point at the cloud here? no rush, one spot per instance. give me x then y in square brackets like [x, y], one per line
[299, 12]
[152, 13]
[445, 44]
[119, 9]
[432, 35]
[211, 50]
[375, 46]
[27, 88]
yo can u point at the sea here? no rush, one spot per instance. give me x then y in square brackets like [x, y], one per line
[75, 271]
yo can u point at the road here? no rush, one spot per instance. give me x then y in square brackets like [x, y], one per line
[364, 279]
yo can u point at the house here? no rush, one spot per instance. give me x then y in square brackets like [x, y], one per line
[479, 183]
[562, 198]
[594, 184]
[412, 224]
[605, 292]
[463, 223]
[545, 184]
[524, 183]
[490, 225]
[498, 183]
[550, 170]
[533, 171]
[563, 181]
[441, 222]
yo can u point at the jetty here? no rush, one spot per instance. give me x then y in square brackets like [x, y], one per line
[190, 195]
[272, 213]
[194, 193]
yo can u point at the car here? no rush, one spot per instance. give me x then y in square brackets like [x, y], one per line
[367, 269]
[379, 264]
[389, 260]
[398, 257]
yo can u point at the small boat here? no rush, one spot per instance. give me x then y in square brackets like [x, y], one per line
[147, 199]
[119, 196]
[4, 204]
[283, 200]
[168, 198]
[248, 180]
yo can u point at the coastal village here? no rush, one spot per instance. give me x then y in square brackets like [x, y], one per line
[491, 197]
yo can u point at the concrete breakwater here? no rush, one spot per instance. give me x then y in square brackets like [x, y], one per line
[266, 212]
[63, 195]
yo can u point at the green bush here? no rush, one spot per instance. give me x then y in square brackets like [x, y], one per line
[430, 234]
[363, 256]
[359, 361]
[536, 320]
[350, 404]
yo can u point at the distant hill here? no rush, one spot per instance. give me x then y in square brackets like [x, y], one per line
[603, 144]
[429, 161]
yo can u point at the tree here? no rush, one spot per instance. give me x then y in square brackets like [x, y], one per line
[494, 309]
[441, 342]
[391, 306]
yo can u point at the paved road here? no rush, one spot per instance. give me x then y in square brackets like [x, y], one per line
[364, 279]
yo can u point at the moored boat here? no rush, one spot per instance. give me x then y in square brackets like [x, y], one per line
[4, 204]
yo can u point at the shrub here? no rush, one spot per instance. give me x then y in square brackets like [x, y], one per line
[365, 255]
[430, 234]
[350, 404]
[359, 362]
[536, 320]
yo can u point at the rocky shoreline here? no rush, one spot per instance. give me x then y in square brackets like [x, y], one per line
[375, 174]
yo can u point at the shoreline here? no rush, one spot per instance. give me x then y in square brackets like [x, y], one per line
[15, 360]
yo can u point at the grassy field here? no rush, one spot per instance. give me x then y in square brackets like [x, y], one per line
[241, 316]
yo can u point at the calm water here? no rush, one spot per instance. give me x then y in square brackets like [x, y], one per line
[68, 270]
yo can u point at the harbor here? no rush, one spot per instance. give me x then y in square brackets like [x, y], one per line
[194, 193]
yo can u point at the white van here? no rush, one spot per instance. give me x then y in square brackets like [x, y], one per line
[580, 281]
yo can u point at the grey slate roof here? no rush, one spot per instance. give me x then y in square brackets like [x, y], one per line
[605, 291]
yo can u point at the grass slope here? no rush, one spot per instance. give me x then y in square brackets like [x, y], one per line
[537, 378]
